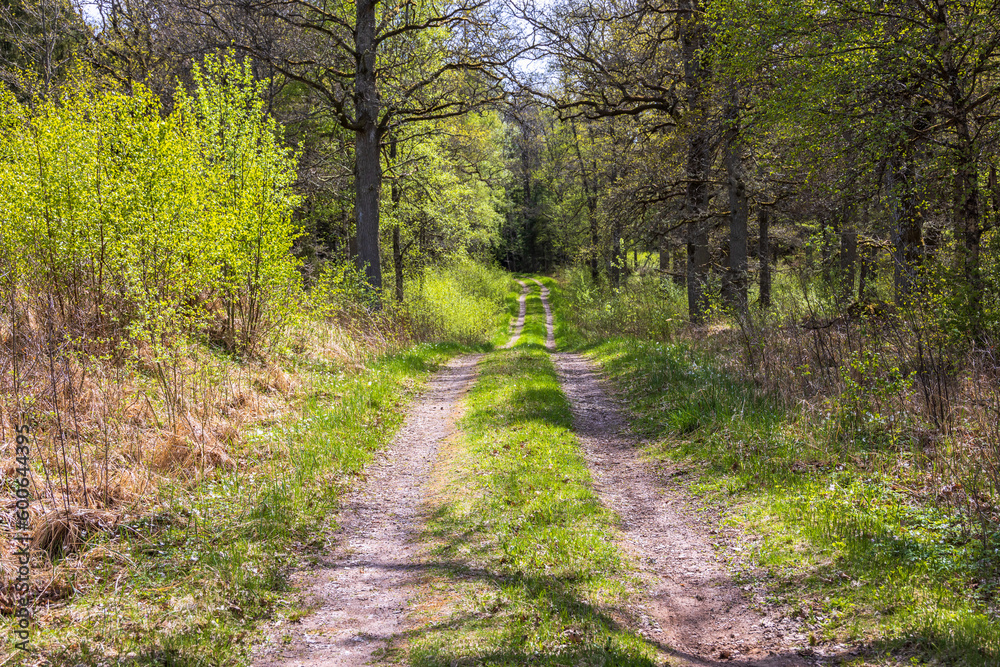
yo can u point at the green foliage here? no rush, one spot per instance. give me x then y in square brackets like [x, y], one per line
[867, 560]
[644, 307]
[463, 302]
[450, 186]
[338, 290]
[868, 406]
[144, 226]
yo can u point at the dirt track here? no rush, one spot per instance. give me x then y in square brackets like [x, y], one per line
[691, 607]
[359, 595]
[519, 322]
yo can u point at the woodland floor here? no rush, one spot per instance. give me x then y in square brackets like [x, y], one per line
[363, 600]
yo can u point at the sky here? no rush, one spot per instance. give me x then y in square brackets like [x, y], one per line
[89, 10]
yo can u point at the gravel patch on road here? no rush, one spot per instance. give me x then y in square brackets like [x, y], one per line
[359, 594]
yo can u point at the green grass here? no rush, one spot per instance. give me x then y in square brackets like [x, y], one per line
[188, 582]
[526, 572]
[832, 533]
[462, 302]
[643, 307]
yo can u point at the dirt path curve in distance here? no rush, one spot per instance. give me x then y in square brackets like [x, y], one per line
[358, 595]
[519, 323]
[550, 331]
[690, 606]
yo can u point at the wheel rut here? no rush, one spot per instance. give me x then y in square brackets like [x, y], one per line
[550, 331]
[519, 322]
[358, 595]
[690, 606]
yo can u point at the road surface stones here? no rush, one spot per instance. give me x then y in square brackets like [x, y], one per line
[359, 595]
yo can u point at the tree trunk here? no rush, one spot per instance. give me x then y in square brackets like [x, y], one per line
[397, 248]
[866, 261]
[736, 276]
[595, 243]
[696, 208]
[397, 262]
[616, 258]
[971, 226]
[960, 100]
[699, 158]
[848, 253]
[826, 247]
[906, 230]
[867, 274]
[863, 278]
[968, 175]
[764, 251]
[350, 241]
[995, 197]
[367, 140]
[591, 207]
[678, 266]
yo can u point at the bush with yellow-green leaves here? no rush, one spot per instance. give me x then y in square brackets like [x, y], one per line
[120, 222]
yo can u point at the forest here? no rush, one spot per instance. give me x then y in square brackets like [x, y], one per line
[500, 332]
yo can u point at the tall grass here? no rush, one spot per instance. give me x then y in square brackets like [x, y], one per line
[464, 302]
[645, 308]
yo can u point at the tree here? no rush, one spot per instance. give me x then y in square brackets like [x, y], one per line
[38, 40]
[447, 191]
[374, 67]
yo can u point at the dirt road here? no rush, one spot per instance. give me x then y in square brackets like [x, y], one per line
[358, 596]
[691, 607]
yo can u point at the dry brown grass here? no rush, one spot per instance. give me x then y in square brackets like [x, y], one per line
[58, 531]
[893, 373]
[111, 428]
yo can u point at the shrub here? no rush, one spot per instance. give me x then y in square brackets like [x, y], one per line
[123, 222]
[462, 302]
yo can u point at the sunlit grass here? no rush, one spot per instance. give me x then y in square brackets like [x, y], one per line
[465, 302]
[525, 565]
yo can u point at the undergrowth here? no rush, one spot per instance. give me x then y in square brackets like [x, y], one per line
[198, 549]
[462, 302]
[185, 580]
[844, 517]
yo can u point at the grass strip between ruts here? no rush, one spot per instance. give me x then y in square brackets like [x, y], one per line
[524, 566]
